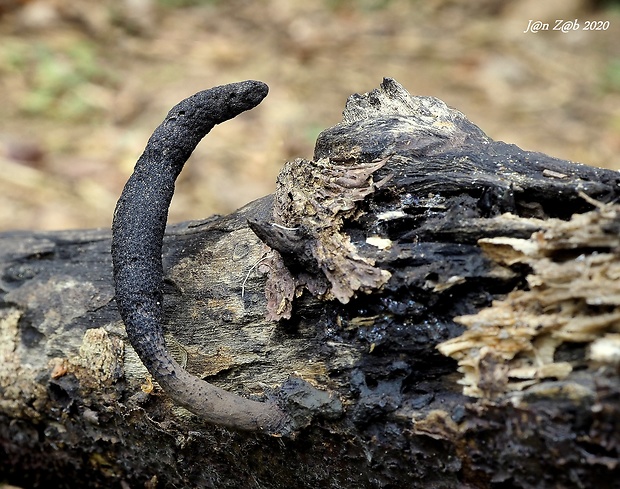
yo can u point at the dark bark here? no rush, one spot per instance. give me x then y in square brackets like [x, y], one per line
[408, 217]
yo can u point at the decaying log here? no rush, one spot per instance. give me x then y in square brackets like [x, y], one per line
[453, 299]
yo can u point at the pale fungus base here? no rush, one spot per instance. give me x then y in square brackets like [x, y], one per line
[573, 297]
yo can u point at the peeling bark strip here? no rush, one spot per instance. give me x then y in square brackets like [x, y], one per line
[138, 231]
[312, 200]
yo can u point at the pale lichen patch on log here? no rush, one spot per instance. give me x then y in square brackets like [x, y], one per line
[606, 350]
[573, 297]
[379, 242]
[21, 395]
[100, 359]
[437, 424]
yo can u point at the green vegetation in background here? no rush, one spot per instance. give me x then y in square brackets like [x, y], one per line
[363, 5]
[331, 4]
[611, 76]
[186, 3]
[56, 80]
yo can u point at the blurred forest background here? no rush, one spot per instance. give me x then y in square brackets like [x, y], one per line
[84, 83]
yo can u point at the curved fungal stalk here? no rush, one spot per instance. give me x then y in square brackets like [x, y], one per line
[137, 236]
